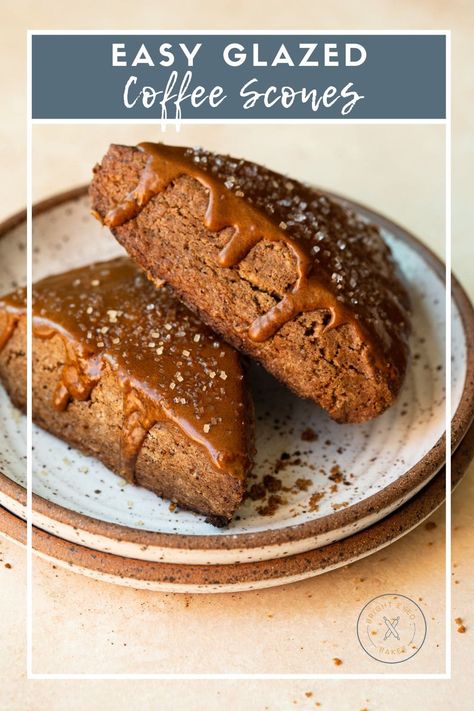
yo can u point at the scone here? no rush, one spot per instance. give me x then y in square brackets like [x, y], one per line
[282, 272]
[125, 372]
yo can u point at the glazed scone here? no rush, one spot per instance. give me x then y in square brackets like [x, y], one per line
[125, 372]
[281, 271]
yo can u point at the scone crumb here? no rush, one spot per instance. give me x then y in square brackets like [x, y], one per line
[309, 435]
[461, 626]
[314, 499]
[303, 484]
[272, 505]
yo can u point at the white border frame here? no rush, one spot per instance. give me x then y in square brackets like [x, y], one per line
[447, 674]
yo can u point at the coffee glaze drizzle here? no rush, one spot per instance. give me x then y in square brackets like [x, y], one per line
[297, 216]
[170, 366]
[12, 306]
[228, 209]
[8, 322]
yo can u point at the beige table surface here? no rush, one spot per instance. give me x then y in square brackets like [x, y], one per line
[84, 626]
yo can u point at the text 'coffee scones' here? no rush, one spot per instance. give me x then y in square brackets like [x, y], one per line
[283, 272]
[126, 372]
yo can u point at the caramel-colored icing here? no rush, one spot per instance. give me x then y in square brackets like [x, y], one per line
[343, 265]
[171, 367]
[9, 320]
[11, 308]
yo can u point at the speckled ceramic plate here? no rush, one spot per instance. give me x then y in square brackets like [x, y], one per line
[168, 577]
[336, 479]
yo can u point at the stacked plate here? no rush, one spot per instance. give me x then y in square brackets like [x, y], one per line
[321, 494]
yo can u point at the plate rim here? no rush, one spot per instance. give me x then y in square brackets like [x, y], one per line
[432, 461]
[175, 577]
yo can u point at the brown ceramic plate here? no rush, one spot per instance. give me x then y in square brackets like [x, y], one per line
[380, 464]
[167, 577]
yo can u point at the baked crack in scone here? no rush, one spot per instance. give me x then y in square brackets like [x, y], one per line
[123, 371]
[280, 270]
